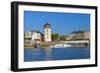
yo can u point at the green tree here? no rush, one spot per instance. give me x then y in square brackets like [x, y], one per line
[55, 36]
[63, 38]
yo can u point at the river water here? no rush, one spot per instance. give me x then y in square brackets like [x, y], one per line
[41, 54]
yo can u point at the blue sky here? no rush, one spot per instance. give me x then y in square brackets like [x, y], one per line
[62, 23]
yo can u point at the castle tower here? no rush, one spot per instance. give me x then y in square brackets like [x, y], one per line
[47, 32]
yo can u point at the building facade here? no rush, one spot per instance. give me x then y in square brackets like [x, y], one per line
[87, 35]
[32, 37]
[47, 33]
[27, 38]
[36, 36]
[79, 35]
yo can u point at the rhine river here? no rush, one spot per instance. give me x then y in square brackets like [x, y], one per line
[41, 54]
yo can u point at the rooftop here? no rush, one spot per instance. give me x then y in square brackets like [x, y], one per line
[47, 25]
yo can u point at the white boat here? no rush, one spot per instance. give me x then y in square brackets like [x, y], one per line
[60, 46]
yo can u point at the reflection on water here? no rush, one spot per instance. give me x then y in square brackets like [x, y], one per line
[48, 54]
[41, 54]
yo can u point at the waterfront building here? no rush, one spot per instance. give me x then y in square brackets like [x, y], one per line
[79, 35]
[47, 33]
[32, 37]
[87, 35]
[37, 36]
[27, 38]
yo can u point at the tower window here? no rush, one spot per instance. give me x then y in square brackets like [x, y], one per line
[47, 36]
[47, 33]
[47, 30]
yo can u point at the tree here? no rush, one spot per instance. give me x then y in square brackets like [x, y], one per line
[55, 36]
[63, 38]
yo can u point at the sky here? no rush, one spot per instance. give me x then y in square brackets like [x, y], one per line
[61, 23]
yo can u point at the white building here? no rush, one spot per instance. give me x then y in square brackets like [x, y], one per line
[36, 36]
[47, 32]
[33, 37]
[28, 38]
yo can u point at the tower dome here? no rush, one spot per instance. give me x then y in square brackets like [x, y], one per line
[47, 25]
